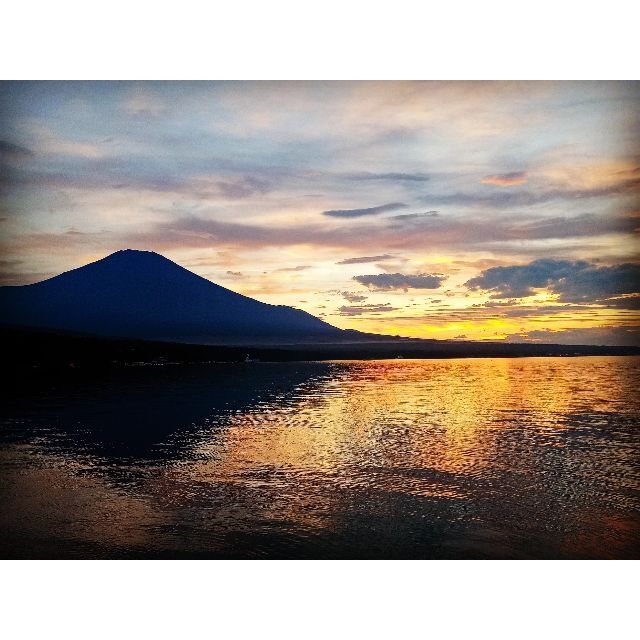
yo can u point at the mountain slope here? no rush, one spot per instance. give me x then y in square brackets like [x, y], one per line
[141, 294]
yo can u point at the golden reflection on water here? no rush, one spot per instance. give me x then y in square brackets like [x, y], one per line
[444, 415]
[428, 458]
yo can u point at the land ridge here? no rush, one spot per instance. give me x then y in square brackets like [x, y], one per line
[32, 352]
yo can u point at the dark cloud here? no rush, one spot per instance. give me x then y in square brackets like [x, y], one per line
[394, 177]
[599, 284]
[577, 282]
[10, 152]
[365, 259]
[370, 211]
[520, 281]
[391, 281]
[359, 310]
[624, 302]
[234, 273]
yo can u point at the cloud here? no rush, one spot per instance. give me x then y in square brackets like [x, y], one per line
[506, 179]
[13, 153]
[395, 177]
[142, 102]
[365, 259]
[352, 297]
[577, 282]
[599, 284]
[236, 274]
[514, 310]
[303, 267]
[507, 199]
[371, 211]
[624, 302]
[115, 174]
[576, 226]
[233, 188]
[610, 335]
[442, 233]
[47, 141]
[359, 310]
[416, 216]
[491, 304]
[391, 281]
[520, 281]
[12, 272]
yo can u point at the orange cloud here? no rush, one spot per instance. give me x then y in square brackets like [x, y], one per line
[506, 179]
[620, 174]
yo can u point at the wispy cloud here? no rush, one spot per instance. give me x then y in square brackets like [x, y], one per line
[608, 335]
[416, 216]
[13, 153]
[441, 233]
[143, 102]
[370, 211]
[520, 198]
[302, 267]
[391, 176]
[229, 188]
[353, 297]
[13, 272]
[358, 310]
[365, 259]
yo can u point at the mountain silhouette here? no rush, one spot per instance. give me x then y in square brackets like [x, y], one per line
[141, 294]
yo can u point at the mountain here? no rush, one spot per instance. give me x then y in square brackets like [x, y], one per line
[141, 294]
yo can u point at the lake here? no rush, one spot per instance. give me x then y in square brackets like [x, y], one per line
[458, 458]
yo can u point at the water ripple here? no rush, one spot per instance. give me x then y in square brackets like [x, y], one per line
[452, 458]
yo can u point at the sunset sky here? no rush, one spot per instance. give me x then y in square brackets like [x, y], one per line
[479, 210]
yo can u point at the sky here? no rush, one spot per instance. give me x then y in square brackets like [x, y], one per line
[450, 210]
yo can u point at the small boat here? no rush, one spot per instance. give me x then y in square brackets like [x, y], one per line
[248, 358]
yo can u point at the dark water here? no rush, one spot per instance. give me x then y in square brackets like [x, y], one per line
[480, 458]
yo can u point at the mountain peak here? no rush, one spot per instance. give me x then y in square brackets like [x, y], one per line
[134, 253]
[138, 259]
[141, 294]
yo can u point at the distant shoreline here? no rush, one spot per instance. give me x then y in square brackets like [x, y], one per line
[36, 353]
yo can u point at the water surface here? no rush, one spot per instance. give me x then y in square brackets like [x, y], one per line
[476, 458]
